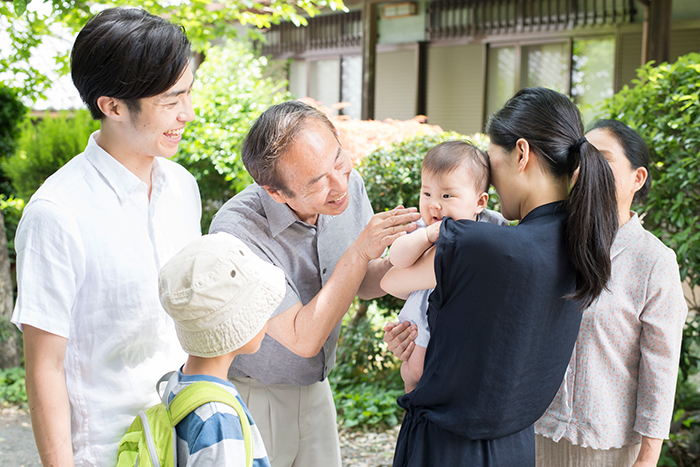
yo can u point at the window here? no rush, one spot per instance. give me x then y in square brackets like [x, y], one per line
[592, 73]
[580, 67]
[329, 81]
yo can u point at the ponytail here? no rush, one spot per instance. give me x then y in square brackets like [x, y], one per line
[552, 125]
[592, 222]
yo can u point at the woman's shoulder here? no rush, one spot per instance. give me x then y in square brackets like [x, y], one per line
[646, 243]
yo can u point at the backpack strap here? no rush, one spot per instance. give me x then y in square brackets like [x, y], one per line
[202, 392]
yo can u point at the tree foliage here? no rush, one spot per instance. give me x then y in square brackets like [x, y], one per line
[44, 146]
[234, 86]
[204, 22]
[663, 107]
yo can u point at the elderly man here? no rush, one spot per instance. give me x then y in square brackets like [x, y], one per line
[309, 214]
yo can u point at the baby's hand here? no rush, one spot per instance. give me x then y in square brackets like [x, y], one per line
[433, 232]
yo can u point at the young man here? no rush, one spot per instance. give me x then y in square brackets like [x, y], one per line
[308, 213]
[93, 238]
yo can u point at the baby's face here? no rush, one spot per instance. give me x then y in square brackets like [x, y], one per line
[448, 195]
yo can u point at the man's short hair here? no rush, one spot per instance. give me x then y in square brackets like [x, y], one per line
[450, 155]
[127, 54]
[271, 136]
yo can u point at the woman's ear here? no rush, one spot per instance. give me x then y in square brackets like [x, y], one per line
[640, 178]
[111, 108]
[522, 147]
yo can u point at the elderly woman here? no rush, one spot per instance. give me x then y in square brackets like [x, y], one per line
[615, 404]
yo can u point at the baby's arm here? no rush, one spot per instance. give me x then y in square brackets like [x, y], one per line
[412, 369]
[408, 248]
[401, 282]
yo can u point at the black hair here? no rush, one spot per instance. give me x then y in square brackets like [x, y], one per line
[635, 149]
[128, 54]
[447, 156]
[551, 124]
[271, 136]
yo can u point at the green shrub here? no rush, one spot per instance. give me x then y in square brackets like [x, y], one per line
[12, 113]
[663, 107]
[234, 86]
[12, 211]
[12, 387]
[44, 146]
[366, 380]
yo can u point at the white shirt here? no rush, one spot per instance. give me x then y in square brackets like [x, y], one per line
[89, 248]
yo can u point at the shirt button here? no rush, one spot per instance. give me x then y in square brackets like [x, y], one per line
[324, 271]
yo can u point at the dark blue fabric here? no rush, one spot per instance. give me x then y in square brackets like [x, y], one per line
[502, 336]
[422, 444]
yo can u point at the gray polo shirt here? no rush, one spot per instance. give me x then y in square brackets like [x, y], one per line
[307, 254]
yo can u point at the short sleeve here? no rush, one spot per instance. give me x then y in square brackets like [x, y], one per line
[50, 268]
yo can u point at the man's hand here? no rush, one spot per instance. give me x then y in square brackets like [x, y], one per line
[383, 229]
[399, 338]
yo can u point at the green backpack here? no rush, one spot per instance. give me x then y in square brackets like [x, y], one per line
[151, 441]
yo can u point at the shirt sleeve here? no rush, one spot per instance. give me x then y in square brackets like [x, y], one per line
[50, 268]
[663, 318]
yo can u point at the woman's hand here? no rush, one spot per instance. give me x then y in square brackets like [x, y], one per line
[399, 338]
[649, 452]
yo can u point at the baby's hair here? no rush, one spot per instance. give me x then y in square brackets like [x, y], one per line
[450, 155]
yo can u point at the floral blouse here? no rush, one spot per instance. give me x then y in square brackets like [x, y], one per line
[621, 380]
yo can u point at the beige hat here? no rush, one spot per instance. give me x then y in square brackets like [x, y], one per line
[219, 293]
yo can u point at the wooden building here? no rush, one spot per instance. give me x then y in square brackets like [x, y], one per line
[456, 61]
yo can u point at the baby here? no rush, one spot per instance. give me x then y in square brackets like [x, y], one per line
[454, 183]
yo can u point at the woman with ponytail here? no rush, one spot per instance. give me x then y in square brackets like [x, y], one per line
[615, 404]
[507, 304]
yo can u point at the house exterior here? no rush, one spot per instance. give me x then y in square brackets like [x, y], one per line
[457, 61]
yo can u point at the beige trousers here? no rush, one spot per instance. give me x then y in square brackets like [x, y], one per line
[297, 423]
[564, 454]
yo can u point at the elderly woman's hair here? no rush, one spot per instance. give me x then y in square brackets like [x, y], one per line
[635, 149]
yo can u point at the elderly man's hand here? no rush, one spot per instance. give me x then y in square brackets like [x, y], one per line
[383, 229]
[399, 338]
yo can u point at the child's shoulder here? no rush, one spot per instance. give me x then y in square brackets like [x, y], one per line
[492, 217]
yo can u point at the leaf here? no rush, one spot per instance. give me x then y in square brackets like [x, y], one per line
[20, 6]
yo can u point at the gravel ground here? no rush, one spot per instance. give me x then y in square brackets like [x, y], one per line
[17, 447]
[359, 449]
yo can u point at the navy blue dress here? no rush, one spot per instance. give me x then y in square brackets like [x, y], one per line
[502, 334]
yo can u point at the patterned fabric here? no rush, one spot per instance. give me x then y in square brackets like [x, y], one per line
[211, 435]
[621, 380]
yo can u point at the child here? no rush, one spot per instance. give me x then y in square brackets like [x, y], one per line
[455, 180]
[220, 296]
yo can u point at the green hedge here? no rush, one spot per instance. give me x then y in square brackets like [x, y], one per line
[44, 146]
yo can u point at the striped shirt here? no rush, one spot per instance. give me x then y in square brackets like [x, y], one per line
[212, 434]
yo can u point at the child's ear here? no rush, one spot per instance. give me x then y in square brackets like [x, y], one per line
[481, 202]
